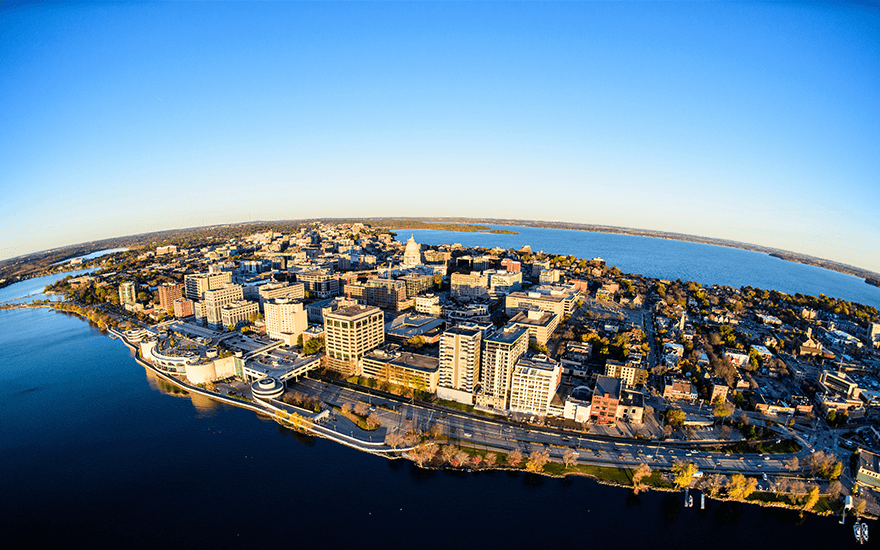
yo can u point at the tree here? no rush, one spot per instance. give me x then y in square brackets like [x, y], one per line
[859, 507]
[812, 498]
[570, 457]
[491, 459]
[437, 431]
[792, 464]
[640, 473]
[835, 489]
[537, 460]
[299, 340]
[723, 408]
[514, 457]
[447, 452]
[675, 417]
[423, 453]
[741, 487]
[361, 408]
[394, 439]
[684, 473]
[313, 346]
[373, 421]
[714, 483]
[460, 459]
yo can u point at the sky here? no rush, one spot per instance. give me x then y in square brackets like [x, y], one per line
[757, 122]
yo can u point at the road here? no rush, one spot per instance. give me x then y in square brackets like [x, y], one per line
[502, 436]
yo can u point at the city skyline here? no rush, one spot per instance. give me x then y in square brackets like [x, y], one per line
[755, 123]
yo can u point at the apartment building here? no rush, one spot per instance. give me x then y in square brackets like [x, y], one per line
[501, 350]
[168, 292]
[196, 285]
[285, 320]
[459, 362]
[214, 300]
[533, 385]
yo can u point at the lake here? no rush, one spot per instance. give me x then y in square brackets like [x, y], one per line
[668, 259]
[96, 451]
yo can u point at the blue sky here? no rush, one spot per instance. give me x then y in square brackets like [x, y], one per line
[757, 122]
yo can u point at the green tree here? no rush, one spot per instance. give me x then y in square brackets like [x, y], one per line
[675, 417]
[313, 346]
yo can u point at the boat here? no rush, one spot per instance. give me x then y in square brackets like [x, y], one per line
[690, 501]
[864, 532]
[857, 531]
[702, 501]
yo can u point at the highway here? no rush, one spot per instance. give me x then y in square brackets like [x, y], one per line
[503, 436]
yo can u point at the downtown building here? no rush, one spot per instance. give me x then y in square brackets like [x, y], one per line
[213, 301]
[196, 285]
[460, 349]
[349, 333]
[285, 320]
[168, 292]
[238, 314]
[127, 293]
[501, 350]
[533, 385]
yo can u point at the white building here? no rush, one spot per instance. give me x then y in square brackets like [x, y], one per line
[237, 314]
[501, 350]
[459, 362]
[533, 385]
[285, 320]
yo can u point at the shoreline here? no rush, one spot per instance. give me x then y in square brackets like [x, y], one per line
[380, 449]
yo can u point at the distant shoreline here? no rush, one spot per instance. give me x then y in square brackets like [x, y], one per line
[866, 274]
[30, 265]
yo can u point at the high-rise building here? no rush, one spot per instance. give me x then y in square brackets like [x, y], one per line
[319, 283]
[387, 294]
[127, 293]
[349, 333]
[500, 352]
[215, 299]
[533, 385]
[168, 292]
[285, 320]
[199, 283]
[459, 362]
[271, 291]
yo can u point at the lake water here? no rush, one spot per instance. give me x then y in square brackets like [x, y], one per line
[32, 289]
[667, 259]
[93, 255]
[96, 452]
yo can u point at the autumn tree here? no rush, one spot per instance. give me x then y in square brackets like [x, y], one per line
[675, 417]
[491, 459]
[835, 489]
[741, 487]
[640, 473]
[684, 473]
[792, 464]
[570, 457]
[394, 439]
[514, 457]
[812, 498]
[460, 459]
[537, 460]
[714, 483]
[423, 453]
[447, 452]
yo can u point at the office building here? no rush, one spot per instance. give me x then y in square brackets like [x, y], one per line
[196, 285]
[349, 333]
[410, 370]
[214, 300]
[237, 314]
[540, 324]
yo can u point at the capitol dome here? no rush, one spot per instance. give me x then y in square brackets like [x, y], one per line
[413, 253]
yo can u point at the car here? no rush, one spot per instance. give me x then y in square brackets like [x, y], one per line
[766, 458]
[468, 434]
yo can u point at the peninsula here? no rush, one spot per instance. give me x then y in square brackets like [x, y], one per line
[472, 359]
